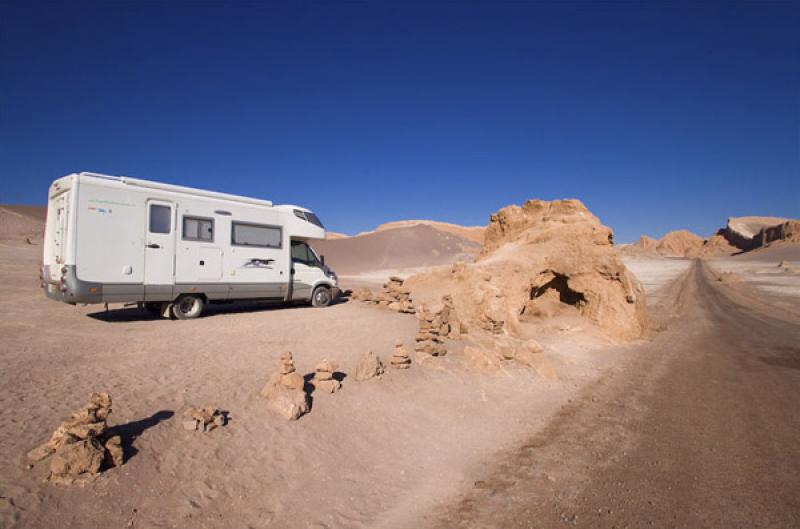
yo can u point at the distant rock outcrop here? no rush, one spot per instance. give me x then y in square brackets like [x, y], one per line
[680, 243]
[647, 243]
[748, 233]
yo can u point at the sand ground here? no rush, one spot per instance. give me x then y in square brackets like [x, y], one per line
[381, 453]
[376, 453]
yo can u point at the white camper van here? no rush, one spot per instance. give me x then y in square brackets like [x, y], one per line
[174, 249]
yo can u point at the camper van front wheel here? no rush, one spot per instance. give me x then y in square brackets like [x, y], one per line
[188, 306]
[321, 297]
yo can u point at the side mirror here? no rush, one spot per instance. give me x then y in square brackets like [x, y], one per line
[322, 259]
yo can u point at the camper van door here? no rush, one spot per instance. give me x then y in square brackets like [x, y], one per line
[159, 251]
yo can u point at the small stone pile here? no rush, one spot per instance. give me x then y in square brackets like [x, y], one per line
[323, 377]
[203, 419]
[370, 366]
[434, 327]
[81, 446]
[400, 358]
[285, 391]
[394, 296]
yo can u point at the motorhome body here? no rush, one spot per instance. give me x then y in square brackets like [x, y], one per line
[174, 248]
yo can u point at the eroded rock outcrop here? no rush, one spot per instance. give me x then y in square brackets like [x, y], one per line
[535, 254]
[285, 391]
[82, 446]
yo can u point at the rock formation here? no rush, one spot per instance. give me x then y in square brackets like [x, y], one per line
[533, 254]
[647, 243]
[323, 377]
[680, 243]
[81, 446]
[715, 246]
[203, 419]
[788, 231]
[748, 233]
[400, 358]
[394, 296]
[370, 366]
[285, 391]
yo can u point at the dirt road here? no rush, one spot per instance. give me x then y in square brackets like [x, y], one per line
[700, 429]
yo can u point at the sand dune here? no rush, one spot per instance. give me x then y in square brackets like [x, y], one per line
[413, 246]
[474, 233]
[22, 222]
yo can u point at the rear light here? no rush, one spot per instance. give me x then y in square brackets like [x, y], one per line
[63, 279]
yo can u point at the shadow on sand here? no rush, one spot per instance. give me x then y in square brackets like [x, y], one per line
[132, 314]
[129, 432]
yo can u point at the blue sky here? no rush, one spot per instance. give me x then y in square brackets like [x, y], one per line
[657, 115]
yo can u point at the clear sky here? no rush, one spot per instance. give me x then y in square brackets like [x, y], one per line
[658, 115]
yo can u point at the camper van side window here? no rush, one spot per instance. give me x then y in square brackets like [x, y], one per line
[198, 229]
[160, 219]
[246, 234]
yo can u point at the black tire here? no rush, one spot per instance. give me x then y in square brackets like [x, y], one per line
[188, 307]
[321, 297]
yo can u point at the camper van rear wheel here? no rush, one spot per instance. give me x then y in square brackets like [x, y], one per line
[188, 306]
[321, 297]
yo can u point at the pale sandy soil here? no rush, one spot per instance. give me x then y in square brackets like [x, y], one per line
[655, 272]
[760, 269]
[376, 454]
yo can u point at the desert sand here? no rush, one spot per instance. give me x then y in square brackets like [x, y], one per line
[424, 446]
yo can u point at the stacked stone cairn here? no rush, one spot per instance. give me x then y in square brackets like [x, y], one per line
[400, 358]
[81, 446]
[370, 366]
[203, 419]
[285, 391]
[323, 377]
[394, 296]
[434, 327]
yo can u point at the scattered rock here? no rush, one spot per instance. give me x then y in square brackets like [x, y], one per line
[203, 419]
[394, 296]
[81, 445]
[728, 277]
[115, 455]
[400, 358]
[370, 366]
[285, 391]
[77, 461]
[434, 327]
[323, 377]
